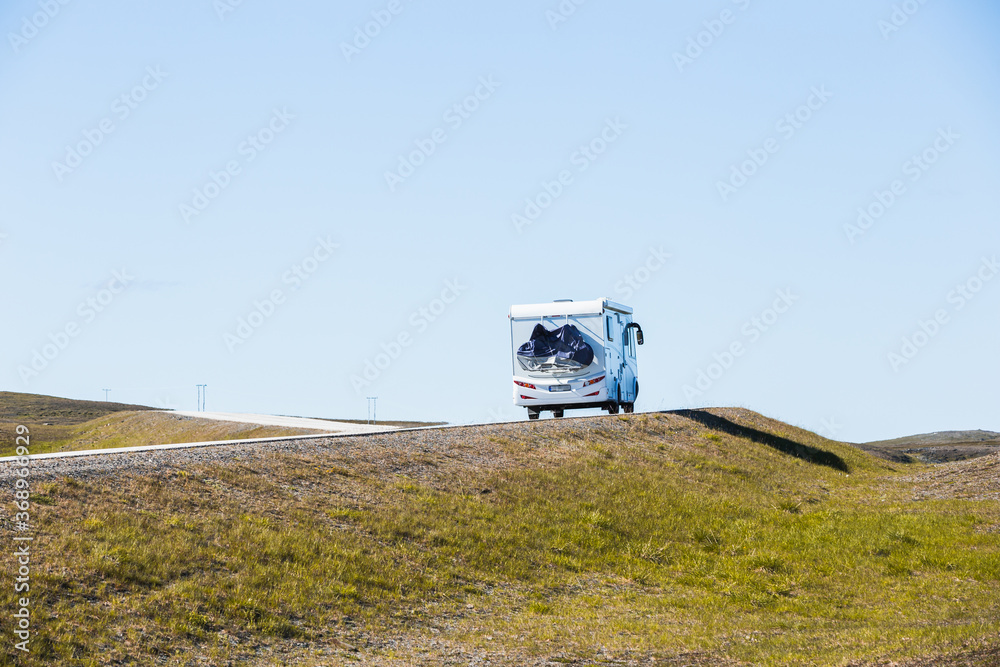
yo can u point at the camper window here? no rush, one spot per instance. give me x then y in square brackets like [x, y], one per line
[611, 335]
[557, 365]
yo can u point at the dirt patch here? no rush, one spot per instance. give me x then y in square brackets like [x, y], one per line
[975, 479]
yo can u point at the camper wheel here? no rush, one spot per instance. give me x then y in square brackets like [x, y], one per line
[629, 408]
[557, 414]
[614, 405]
[533, 414]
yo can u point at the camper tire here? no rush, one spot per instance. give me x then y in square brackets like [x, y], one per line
[614, 405]
[629, 408]
[557, 414]
[533, 414]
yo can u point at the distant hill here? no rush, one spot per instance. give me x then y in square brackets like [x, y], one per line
[63, 424]
[937, 447]
[52, 410]
[941, 438]
[51, 419]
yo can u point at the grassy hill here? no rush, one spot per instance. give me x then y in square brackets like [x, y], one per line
[711, 537]
[52, 420]
[63, 424]
[36, 409]
[136, 429]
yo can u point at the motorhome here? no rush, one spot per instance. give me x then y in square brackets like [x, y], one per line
[574, 354]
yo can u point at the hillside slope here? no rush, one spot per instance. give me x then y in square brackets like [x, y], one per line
[138, 429]
[937, 447]
[52, 420]
[62, 424]
[36, 409]
[709, 537]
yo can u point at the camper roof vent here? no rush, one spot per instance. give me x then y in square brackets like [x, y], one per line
[562, 301]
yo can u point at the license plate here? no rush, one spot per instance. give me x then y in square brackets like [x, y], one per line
[559, 387]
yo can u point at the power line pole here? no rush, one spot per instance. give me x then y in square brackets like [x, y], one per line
[372, 405]
[106, 392]
[202, 390]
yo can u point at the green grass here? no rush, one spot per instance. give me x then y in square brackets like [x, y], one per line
[646, 535]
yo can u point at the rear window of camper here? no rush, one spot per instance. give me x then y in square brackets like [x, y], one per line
[589, 327]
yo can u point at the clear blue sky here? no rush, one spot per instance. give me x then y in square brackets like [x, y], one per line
[117, 116]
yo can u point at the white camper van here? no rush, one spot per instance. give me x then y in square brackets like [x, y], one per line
[574, 354]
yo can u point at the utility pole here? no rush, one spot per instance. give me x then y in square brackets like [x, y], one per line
[106, 392]
[372, 404]
[202, 390]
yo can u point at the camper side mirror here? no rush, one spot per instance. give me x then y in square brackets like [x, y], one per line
[638, 332]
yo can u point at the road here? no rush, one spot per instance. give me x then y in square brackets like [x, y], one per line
[325, 425]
